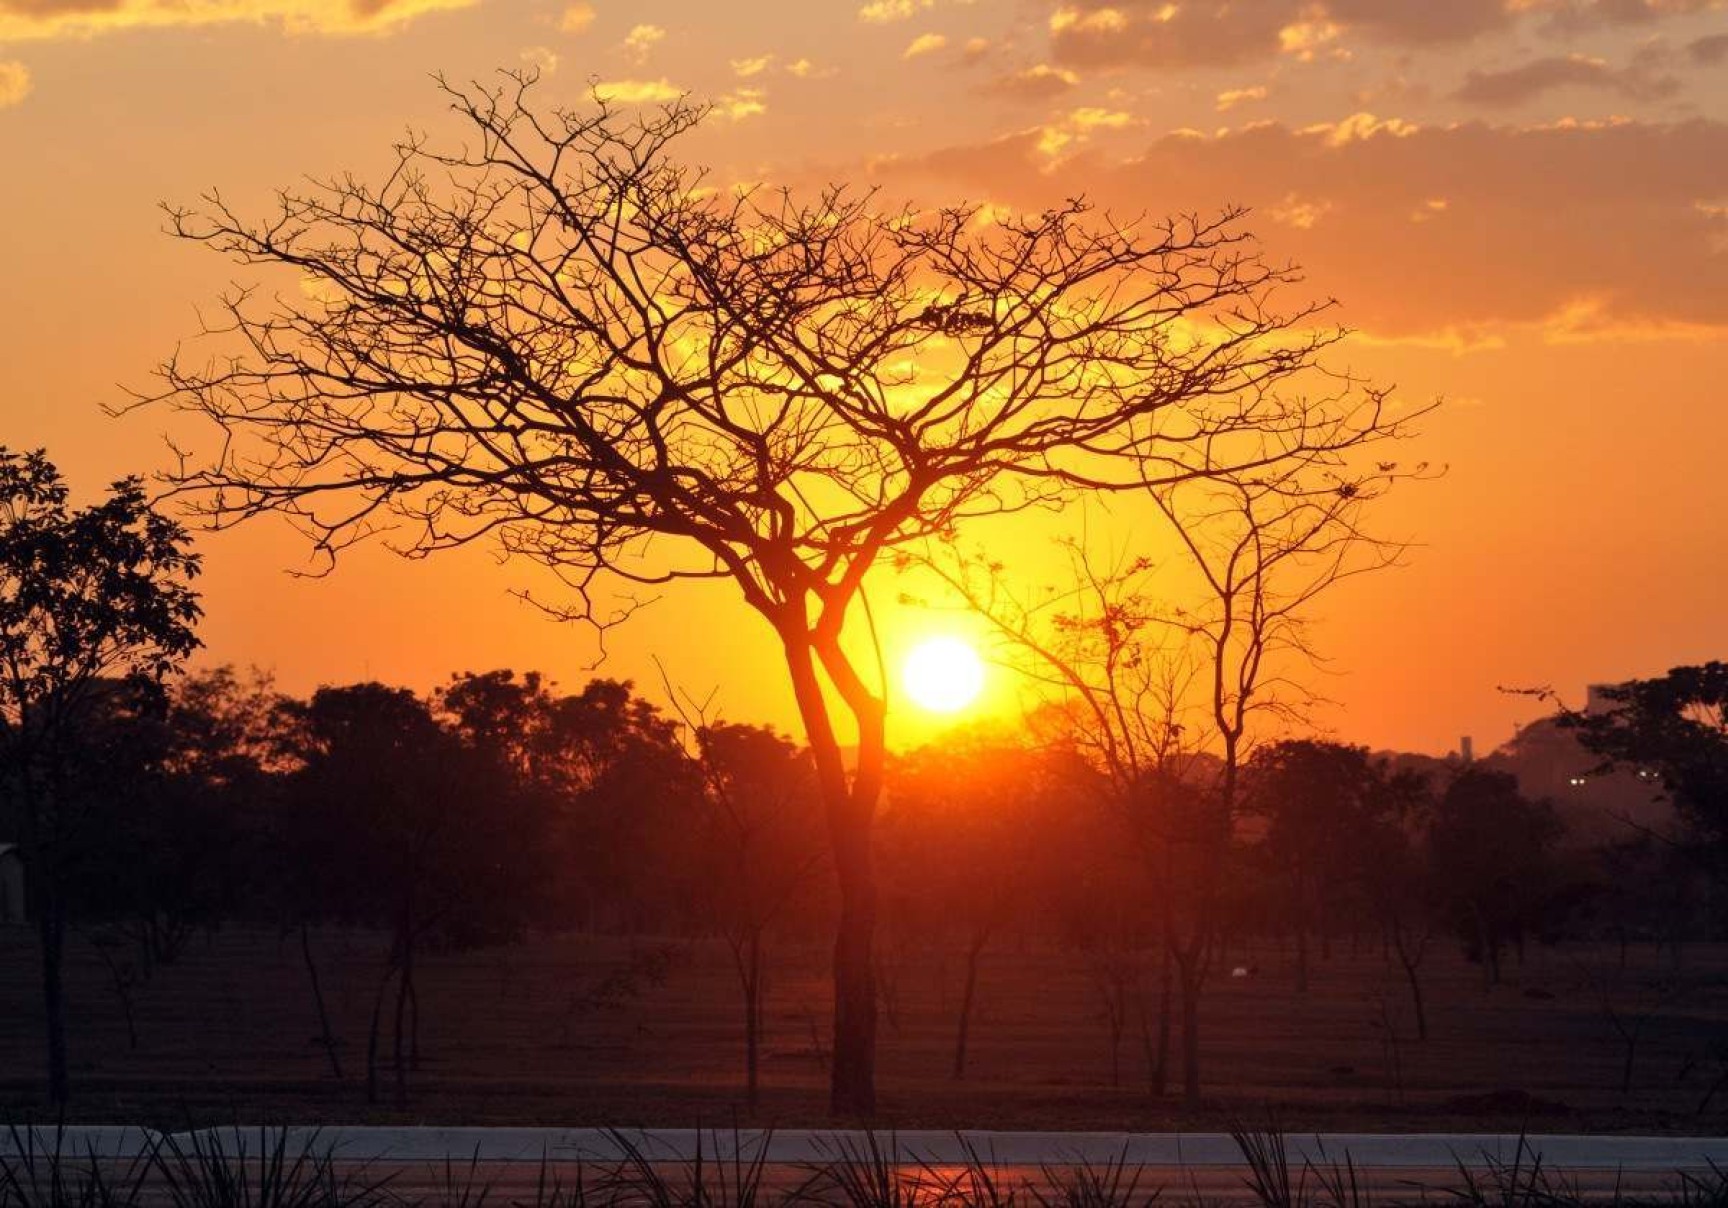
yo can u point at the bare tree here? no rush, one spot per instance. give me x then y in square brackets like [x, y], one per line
[1161, 681]
[970, 817]
[560, 338]
[755, 854]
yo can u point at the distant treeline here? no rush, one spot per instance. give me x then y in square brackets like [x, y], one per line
[497, 806]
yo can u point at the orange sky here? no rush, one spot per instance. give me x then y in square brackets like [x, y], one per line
[1522, 206]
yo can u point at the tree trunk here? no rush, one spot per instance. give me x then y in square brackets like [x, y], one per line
[404, 991]
[1631, 1040]
[51, 931]
[853, 1075]
[1191, 980]
[120, 978]
[1415, 990]
[1166, 984]
[413, 1023]
[850, 805]
[967, 995]
[327, 1037]
[372, 1033]
[1487, 950]
[753, 1020]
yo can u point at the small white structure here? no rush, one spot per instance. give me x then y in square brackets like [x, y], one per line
[11, 884]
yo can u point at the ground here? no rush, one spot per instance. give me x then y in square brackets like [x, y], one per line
[601, 1030]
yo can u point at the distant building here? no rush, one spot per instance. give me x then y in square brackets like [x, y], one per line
[1596, 698]
[11, 884]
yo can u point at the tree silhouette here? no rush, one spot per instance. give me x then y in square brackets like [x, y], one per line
[1492, 849]
[1672, 729]
[415, 832]
[756, 851]
[1159, 685]
[1319, 802]
[560, 338]
[87, 596]
[969, 819]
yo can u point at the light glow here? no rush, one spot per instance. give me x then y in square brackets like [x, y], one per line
[942, 675]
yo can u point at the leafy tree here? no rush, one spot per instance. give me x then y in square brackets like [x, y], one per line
[1674, 728]
[415, 832]
[756, 850]
[1492, 849]
[87, 596]
[1320, 803]
[560, 337]
[178, 829]
[1399, 877]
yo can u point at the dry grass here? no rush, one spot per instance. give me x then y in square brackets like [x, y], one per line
[555, 1032]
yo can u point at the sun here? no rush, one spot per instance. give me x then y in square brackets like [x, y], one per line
[942, 675]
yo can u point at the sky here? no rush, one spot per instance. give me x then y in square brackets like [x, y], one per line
[1521, 207]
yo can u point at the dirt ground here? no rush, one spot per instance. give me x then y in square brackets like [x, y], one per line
[582, 1031]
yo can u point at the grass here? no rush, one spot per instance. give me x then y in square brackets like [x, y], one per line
[32, 1176]
[263, 1168]
[230, 1031]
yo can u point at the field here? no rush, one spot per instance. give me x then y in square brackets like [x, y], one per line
[586, 1030]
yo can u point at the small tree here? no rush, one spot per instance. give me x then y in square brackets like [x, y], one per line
[1161, 683]
[562, 338]
[87, 595]
[1399, 876]
[968, 819]
[416, 833]
[1320, 805]
[1492, 848]
[756, 854]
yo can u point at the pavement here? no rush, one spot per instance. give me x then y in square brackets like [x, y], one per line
[1168, 1151]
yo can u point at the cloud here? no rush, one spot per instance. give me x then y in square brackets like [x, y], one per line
[1360, 126]
[542, 58]
[1516, 85]
[577, 18]
[744, 69]
[1709, 50]
[1472, 226]
[1148, 33]
[1459, 341]
[1297, 212]
[637, 92]
[740, 104]
[1304, 40]
[14, 83]
[1594, 319]
[1221, 33]
[1232, 97]
[804, 69]
[34, 20]
[641, 40]
[881, 12]
[1040, 82]
[924, 44]
[1078, 125]
[1582, 16]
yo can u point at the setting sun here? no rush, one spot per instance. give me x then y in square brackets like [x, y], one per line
[943, 675]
